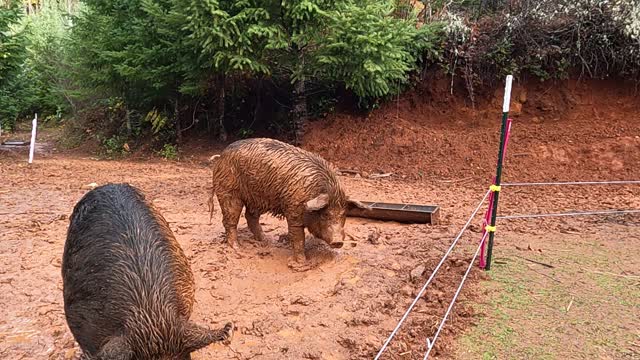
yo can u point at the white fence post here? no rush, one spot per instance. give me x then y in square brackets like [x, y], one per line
[32, 146]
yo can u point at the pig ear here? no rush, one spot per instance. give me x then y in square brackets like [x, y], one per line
[318, 203]
[197, 337]
[356, 204]
[116, 349]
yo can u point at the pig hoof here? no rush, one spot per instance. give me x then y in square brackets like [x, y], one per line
[336, 245]
[228, 333]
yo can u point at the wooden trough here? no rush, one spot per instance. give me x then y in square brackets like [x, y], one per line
[404, 213]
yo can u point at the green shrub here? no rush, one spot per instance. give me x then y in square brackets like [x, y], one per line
[169, 152]
[114, 146]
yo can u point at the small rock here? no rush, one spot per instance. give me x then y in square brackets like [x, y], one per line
[374, 237]
[300, 300]
[516, 109]
[523, 97]
[417, 272]
[291, 313]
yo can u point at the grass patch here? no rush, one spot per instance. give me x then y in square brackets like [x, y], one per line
[495, 333]
[581, 308]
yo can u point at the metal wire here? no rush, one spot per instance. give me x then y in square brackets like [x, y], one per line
[616, 182]
[577, 213]
[413, 304]
[431, 343]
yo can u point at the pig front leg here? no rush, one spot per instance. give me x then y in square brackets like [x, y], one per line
[299, 260]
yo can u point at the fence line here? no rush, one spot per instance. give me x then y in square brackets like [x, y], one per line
[431, 343]
[615, 182]
[424, 288]
[576, 213]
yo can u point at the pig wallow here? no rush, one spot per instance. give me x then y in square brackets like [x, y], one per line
[269, 176]
[128, 287]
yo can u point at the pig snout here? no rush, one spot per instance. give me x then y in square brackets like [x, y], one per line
[336, 236]
[332, 233]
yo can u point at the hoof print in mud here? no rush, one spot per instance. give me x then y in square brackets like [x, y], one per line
[297, 266]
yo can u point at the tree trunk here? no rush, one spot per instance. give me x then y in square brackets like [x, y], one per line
[256, 110]
[176, 114]
[221, 101]
[127, 118]
[300, 108]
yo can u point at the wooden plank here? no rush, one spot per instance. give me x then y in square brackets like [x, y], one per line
[405, 213]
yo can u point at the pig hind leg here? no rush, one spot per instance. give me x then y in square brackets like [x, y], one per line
[253, 222]
[116, 348]
[231, 209]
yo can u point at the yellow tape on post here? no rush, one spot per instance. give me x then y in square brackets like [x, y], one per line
[495, 188]
[490, 228]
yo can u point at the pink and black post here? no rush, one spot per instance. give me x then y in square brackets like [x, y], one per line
[490, 217]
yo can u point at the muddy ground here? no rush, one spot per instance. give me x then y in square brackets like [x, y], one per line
[437, 151]
[342, 309]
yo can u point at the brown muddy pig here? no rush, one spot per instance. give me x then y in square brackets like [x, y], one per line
[128, 287]
[269, 176]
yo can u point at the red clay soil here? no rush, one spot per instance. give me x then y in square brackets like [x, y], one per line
[346, 306]
[566, 130]
[342, 309]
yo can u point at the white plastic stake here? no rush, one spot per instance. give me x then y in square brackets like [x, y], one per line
[32, 146]
[507, 94]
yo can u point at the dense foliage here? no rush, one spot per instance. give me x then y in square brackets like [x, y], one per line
[172, 62]
[549, 39]
[120, 69]
[12, 56]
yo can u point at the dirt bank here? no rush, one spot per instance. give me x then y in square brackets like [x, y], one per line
[565, 130]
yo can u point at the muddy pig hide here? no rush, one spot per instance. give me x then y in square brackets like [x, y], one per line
[269, 176]
[128, 288]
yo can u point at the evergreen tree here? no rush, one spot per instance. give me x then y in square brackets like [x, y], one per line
[12, 56]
